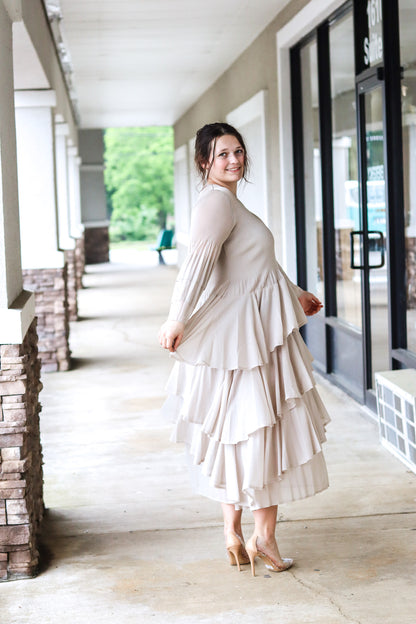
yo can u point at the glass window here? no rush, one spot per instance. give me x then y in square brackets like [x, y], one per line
[312, 165]
[345, 172]
[407, 16]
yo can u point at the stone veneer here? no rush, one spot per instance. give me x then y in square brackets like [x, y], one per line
[21, 482]
[97, 245]
[51, 308]
[75, 260]
[411, 272]
[72, 284]
[79, 260]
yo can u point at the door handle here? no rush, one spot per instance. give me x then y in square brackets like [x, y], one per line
[373, 235]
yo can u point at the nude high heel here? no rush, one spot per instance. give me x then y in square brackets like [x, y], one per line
[253, 552]
[237, 554]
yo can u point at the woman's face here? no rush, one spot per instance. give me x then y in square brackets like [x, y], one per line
[227, 162]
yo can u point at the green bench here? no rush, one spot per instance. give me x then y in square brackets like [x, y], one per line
[164, 241]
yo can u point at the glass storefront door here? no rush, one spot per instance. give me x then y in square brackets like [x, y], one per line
[407, 16]
[373, 237]
[354, 182]
[312, 169]
[345, 169]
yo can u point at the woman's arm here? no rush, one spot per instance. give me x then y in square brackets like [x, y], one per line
[310, 303]
[212, 224]
[171, 334]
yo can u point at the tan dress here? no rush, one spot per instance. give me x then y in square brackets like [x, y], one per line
[242, 391]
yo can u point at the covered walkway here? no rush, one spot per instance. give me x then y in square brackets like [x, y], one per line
[127, 541]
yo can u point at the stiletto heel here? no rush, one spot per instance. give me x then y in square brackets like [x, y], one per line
[236, 550]
[253, 552]
[233, 552]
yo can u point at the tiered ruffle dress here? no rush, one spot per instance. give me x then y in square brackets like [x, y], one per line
[242, 392]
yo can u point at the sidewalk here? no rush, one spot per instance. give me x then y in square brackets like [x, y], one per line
[126, 540]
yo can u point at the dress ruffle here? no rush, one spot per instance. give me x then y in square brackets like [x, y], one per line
[248, 430]
[240, 324]
[301, 482]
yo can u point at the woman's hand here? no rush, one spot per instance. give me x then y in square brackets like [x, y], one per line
[310, 304]
[171, 334]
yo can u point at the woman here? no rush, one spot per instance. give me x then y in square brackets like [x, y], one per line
[242, 388]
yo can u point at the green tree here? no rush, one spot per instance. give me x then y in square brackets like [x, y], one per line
[139, 180]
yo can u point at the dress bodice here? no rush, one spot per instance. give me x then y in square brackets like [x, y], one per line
[230, 247]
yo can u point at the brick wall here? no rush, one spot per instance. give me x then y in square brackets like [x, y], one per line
[51, 307]
[97, 245]
[21, 480]
[75, 261]
[79, 260]
[72, 284]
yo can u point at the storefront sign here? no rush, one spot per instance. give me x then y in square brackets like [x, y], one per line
[373, 41]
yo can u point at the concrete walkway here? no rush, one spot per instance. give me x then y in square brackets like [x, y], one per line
[127, 541]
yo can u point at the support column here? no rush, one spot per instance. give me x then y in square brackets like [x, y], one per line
[93, 198]
[75, 223]
[21, 483]
[66, 242]
[44, 267]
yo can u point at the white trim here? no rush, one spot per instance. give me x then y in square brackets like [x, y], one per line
[61, 129]
[96, 224]
[194, 179]
[15, 321]
[256, 108]
[315, 12]
[34, 99]
[53, 260]
[182, 195]
[250, 109]
[62, 191]
[180, 153]
[182, 238]
[288, 226]
[301, 24]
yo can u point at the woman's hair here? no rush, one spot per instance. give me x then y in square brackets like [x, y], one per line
[206, 138]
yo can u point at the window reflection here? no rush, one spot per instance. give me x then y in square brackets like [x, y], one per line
[407, 16]
[312, 165]
[344, 157]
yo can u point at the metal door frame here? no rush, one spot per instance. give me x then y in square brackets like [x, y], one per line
[370, 82]
[331, 334]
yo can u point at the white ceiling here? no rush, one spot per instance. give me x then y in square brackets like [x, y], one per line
[144, 62]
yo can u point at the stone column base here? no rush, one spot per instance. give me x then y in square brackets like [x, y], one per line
[80, 260]
[51, 306]
[75, 260]
[72, 284]
[21, 479]
[97, 245]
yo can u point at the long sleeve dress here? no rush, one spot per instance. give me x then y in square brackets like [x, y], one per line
[242, 392]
